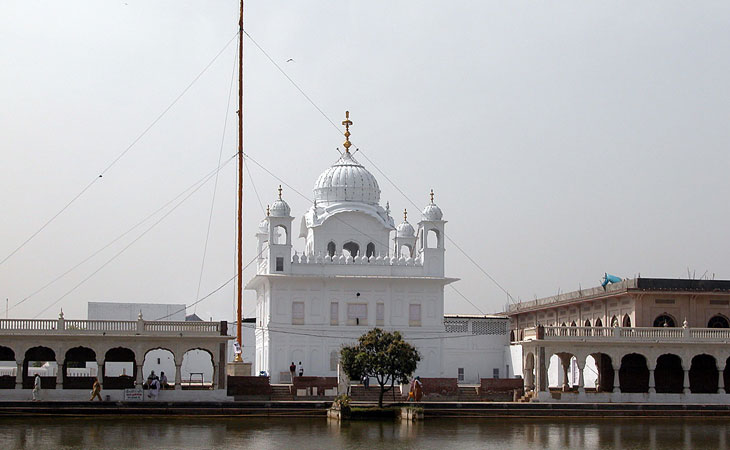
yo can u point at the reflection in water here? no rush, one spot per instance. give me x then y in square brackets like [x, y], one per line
[274, 433]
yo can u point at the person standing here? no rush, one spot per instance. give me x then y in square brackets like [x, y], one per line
[154, 389]
[417, 389]
[301, 369]
[37, 388]
[163, 380]
[96, 390]
[293, 370]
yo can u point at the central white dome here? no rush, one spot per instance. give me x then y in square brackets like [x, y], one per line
[347, 181]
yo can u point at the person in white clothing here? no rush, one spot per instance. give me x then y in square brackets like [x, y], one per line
[37, 388]
[300, 369]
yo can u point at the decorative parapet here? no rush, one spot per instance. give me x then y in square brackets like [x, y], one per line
[626, 334]
[110, 327]
[357, 260]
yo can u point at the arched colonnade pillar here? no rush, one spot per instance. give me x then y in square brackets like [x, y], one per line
[697, 370]
[56, 348]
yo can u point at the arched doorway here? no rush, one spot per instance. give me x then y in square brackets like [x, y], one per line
[331, 249]
[718, 321]
[599, 323]
[604, 383]
[614, 321]
[41, 361]
[703, 375]
[665, 320]
[626, 322]
[669, 375]
[370, 250]
[158, 360]
[8, 367]
[351, 249]
[120, 370]
[634, 374]
[79, 368]
[197, 370]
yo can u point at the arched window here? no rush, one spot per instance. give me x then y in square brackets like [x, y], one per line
[718, 322]
[280, 234]
[588, 323]
[664, 320]
[599, 322]
[331, 249]
[432, 239]
[370, 250]
[614, 321]
[352, 248]
[627, 321]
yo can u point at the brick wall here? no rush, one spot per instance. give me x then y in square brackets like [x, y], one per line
[440, 386]
[321, 383]
[501, 389]
[258, 386]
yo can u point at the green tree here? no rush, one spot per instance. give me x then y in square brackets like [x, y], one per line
[382, 355]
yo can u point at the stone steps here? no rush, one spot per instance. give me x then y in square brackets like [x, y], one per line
[469, 394]
[281, 392]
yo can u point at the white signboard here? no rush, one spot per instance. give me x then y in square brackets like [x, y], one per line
[133, 395]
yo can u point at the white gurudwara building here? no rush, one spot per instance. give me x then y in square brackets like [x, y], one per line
[357, 271]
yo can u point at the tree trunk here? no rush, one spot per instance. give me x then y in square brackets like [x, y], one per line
[380, 399]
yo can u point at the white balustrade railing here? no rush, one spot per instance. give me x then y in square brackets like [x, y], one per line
[201, 327]
[28, 324]
[649, 334]
[122, 327]
[357, 260]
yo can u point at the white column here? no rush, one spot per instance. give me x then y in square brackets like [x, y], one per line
[686, 381]
[59, 375]
[581, 380]
[178, 376]
[566, 364]
[19, 375]
[100, 372]
[720, 379]
[652, 384]
[616, 381]
[138, 382]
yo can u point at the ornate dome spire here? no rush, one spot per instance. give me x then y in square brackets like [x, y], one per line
[347, 180]
[432, 212]
[405, 229]
[280, 208]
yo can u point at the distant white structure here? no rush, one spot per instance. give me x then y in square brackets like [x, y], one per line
[358, 270]
[131, 311]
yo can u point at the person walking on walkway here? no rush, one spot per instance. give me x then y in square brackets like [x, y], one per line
[96, 390]
[37, 388]
[417, 389]
[293, 370]
[301, 369]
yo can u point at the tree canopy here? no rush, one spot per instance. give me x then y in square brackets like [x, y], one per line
[382, 355]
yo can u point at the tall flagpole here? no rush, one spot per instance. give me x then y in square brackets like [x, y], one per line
[239, 273]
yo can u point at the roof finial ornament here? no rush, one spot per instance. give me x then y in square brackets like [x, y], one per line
[268, 210]
[279, 192]
[347, 122]
[405, 215]
[431, 196]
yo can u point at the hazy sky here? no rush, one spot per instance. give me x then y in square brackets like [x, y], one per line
[562, 139]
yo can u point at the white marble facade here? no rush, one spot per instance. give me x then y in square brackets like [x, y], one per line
[356, 270]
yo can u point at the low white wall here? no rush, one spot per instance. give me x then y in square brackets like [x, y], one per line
[610, 397]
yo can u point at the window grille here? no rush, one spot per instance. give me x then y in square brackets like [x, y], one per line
[297, 313]
[334, 313]
[414, 315]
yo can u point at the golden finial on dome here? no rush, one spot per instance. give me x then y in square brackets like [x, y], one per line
[431, 196]
[268, 211]
[347, 122]
[405, 215]
[279, 192]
